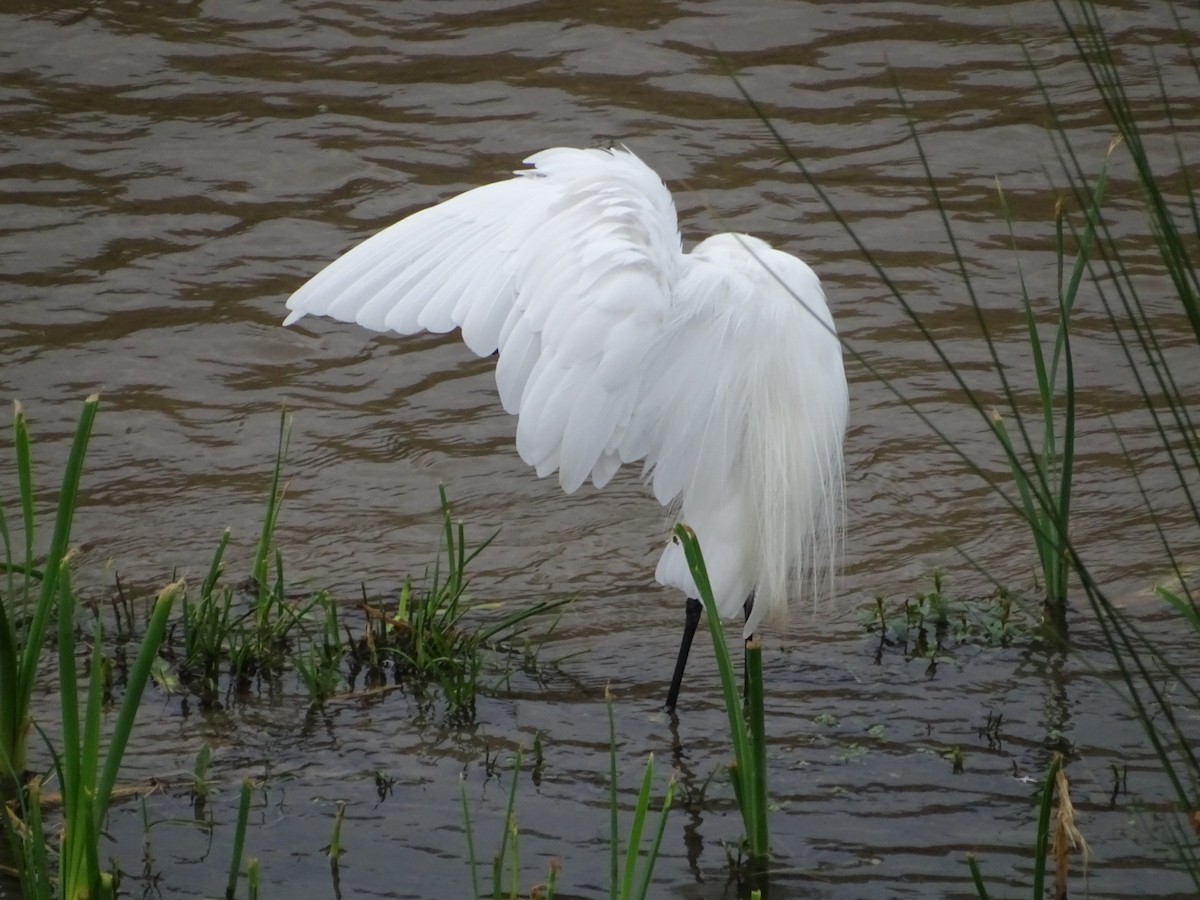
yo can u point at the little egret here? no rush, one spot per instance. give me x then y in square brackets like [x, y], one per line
[719, 369]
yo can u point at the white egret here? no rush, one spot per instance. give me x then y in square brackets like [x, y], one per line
[718, 370]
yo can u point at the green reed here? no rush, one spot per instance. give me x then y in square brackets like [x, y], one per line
[239, 846]
[1043, 471]
[1156, 680]
[747, 727]
[29, 593]
[1042, 843]
[1042, 459]
[633, 852]
[434, 634]
[84, 763]
[270, 594]
[85, 767]
[624, 883]
[508, 855]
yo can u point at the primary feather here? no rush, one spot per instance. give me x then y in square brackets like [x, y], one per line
[719, 369]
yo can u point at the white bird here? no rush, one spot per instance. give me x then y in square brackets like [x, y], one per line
[718, 370]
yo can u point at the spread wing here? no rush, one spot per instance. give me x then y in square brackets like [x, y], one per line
[567, 270]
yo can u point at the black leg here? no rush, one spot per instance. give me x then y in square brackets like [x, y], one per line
[746, 608]
[689, 631]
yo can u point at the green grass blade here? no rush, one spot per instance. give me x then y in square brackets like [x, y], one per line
[472, 860]
[11, 714]
[68, 688]
[1186, 609]
[506, 832]
[652, 856]
[262, 554]
[1057, 592]
[67, 499]
[239, 839]
[977, 877]
[613, 826]
[1041, 850]
[744, 771]
[86, 823]
[139, 675]
[76, 808]
[215, 567]
[733, 706]
[24, 487]
[633, 846]
[36, 843]
[89, 751]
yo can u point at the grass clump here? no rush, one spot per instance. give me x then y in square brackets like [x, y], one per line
[437, 635]
[933, 625]
[432, 638]
[250, 629]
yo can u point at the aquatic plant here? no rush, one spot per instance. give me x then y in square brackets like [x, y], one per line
[251, 628]
[239, 845]
[29, 593]
[1173, 214]
[85, 765]
[624, 883]
[431, 635]
[436, 635]
[747, 726]
[631, 857]
[933, 624]
[505, 864]
[1055, 838]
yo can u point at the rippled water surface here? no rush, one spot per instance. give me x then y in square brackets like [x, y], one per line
[171, 172]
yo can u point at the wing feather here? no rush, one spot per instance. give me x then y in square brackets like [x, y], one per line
[566, 269]
[742, 430]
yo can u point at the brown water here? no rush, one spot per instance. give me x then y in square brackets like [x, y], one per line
[172, 171]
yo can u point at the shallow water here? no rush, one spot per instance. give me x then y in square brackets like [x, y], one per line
[171, 172]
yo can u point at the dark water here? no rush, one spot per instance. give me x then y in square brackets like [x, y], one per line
[170, 172]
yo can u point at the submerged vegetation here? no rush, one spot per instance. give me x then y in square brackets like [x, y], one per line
[937, 624]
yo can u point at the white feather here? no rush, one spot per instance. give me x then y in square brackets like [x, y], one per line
[719, 370]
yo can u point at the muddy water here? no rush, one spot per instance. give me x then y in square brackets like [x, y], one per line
[172, 171]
